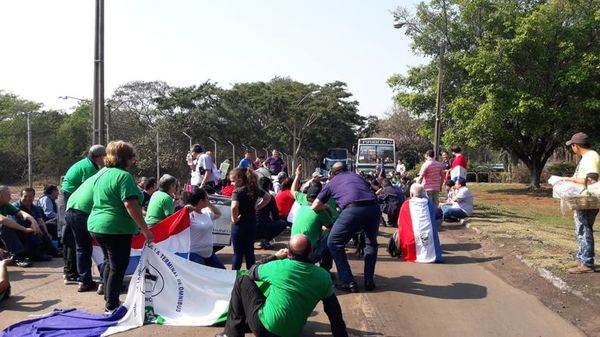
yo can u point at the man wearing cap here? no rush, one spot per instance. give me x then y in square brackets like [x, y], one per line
[316, 176]
[75, 176]
[204, 169]
[360, 211]
[584, 218]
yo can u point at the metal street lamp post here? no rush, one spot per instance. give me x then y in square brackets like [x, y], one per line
[98, 136]
[255, 152]
[440, 88]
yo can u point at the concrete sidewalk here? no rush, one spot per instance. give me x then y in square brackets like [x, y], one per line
[459, 298]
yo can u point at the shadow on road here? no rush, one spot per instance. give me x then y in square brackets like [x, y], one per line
[458, 259]
[321, 329]
[15, 303]
[18, 275]
[466, 247]
[411, 285]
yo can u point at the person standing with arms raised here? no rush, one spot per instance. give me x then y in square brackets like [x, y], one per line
[360, 211]
[116, 215]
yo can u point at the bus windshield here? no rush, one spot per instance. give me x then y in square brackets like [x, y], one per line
[368, 154]
[337, 154]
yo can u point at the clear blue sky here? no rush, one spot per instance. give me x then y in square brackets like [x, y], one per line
[48, 45]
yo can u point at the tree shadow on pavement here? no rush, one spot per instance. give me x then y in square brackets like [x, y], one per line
[411, 285]
[15, 303]
[322, 329]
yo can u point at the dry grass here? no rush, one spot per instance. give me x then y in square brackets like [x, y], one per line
[529, 223]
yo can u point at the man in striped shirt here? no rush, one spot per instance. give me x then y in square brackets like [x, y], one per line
[431, 176]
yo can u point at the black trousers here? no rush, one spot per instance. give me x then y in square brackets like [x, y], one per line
[116, 249]
[246, 300]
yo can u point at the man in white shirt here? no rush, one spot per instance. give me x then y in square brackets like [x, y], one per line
[401, 168]
[461, 205]
[204, 166]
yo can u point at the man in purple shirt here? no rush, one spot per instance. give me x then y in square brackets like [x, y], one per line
[275, 164]
[360, 211]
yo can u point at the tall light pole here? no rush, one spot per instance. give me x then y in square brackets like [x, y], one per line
[440, 88]
[266, 152]
[215, 142]
[232, 151]
[98, 136]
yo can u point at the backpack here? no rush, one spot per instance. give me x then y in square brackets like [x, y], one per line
[393, 244]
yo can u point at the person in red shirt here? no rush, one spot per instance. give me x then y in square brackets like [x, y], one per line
[284, 199]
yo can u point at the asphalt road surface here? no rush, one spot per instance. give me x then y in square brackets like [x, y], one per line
[459, 298]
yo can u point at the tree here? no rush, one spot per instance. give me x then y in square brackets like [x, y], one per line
[403, 127]
[524, 74]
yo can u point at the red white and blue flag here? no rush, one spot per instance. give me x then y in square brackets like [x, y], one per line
[417, 232]
[458, 169]
[171, 234]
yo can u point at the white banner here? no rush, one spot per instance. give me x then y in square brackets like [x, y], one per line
[170, 290]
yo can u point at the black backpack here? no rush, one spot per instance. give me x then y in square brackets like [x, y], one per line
[393, 244]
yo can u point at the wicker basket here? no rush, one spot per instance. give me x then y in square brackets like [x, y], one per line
[582, 202]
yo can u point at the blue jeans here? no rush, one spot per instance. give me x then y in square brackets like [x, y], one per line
[77, 223]
[584, 229]
[212, 261]
[321, 253]
[242, 239]
[453, 213]
[351, 221]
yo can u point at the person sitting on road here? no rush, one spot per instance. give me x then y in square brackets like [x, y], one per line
[390, 200]
[161, 202]
[268, 222]
[50, 210]
[316, 226]
[295, 288]
[39, 247]
[201, 227]
[9, 228]
[461, 205]
[284, 198]
[417, 233]
[149, 189]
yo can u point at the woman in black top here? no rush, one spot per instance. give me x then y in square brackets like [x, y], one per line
[243, 215]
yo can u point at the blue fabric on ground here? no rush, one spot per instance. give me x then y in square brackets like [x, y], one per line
[65, 323]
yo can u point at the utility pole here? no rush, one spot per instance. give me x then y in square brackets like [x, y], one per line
[438, 102]
[29, 151]
[98, 136]
[233, 162]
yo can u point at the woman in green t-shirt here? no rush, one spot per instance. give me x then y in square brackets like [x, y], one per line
[161, 201]
[115, 217]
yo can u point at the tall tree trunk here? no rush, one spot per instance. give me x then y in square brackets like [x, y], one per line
[535, 173]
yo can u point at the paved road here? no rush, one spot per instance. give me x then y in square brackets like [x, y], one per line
[459, 298]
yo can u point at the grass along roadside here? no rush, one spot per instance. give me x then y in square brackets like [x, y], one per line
[530, 224]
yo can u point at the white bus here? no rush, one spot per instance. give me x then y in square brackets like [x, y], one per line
[370, 149]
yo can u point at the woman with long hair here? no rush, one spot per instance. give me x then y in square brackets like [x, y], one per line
[246, 199]
[115, 217]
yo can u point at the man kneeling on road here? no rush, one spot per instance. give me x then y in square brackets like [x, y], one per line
[296, 285]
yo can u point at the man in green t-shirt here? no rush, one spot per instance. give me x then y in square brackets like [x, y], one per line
[9, 228]
[584, 218]
[315, 225]
[82, 170]
[295, 287]
[76, 175]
